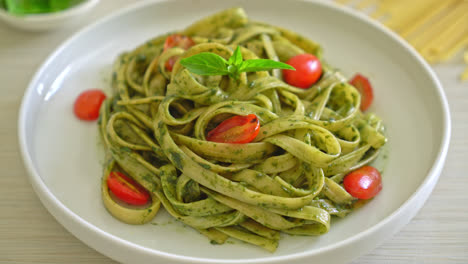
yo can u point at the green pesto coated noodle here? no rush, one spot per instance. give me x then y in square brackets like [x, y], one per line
[288, 180]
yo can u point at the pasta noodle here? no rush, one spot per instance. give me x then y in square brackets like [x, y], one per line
[287, 180]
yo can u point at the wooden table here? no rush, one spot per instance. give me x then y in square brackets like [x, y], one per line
[29, 234]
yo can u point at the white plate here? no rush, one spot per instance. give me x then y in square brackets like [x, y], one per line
[63, 158]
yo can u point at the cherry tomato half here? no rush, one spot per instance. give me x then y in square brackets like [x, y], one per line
[364, 87]
[126, 189]
[170, 63]
[363, 183]
[308, 71]
[237, 129]
[176, 40]
[87, 104]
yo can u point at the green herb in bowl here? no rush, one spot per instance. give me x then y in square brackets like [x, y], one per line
[25, 7]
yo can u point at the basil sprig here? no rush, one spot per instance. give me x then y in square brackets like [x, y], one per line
[207, 63]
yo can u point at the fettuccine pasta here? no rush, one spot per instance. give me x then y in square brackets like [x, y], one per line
[288, 180]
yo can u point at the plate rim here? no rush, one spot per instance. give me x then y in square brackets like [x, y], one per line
[49, 200]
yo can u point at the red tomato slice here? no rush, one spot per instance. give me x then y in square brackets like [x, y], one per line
[364, 87]
[363, 183]
[176, 40]
[308, 71]
[237, 129]
[87, 104]
[170, 63]
[127, 189]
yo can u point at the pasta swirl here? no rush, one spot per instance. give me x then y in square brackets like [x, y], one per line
[287, 180]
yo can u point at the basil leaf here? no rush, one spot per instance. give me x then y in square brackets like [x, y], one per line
[263, 65]
[206, 63]
[236, 58]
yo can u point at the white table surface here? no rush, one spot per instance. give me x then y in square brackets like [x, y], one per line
[29, 234]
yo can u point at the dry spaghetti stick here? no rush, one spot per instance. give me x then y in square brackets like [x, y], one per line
[365, 4]
[425, 18]
[422, 39]
[408, 12]
[452, 33]
[450, 52]
[384, 7]
[464, 76]
[343, 2]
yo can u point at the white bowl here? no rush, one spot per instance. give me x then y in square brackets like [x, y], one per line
[47, 21]
[62, 157]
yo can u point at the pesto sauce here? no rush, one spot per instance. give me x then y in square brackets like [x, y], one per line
[278, 192]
